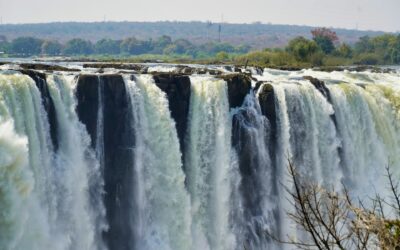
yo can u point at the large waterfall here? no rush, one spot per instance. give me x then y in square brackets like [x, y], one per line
[95, 160]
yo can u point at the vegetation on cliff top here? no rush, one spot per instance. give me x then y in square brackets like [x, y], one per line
[324, 49]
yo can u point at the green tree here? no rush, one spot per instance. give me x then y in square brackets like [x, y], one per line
[302, 48]
[180, 46]
[325, 38]
[364, 45]
[4, 44]
[134, 46]
[108, 47]
[26, 46]
[52, 48]
[160, 44]
[345, 51]
[78, 46]
[222, 56]
[395, 51]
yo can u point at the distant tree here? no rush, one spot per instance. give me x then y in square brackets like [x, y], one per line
[325, 38]
[78, 46]
[222, 56]
[160, 44]
[345, 50]
[134, 46]
[302, 48]
[395, 51]
[241, 49]
[108, 46]
[52, 48]
[180, 46]
[4, 44]
[364, 45]
[26, 46]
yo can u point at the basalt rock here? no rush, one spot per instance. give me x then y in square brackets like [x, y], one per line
[47, 101]
[177, 88]
[46, 67]
[119, 139]
[239, 86]
[266, 98]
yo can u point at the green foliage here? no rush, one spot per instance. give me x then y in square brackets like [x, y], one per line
[160, 44]
[222, 56]
[133, 46]
[108, 47]
[26, 46]
[51, 48]
[325, 44]
[344, 51]
[302, 48]
[78, 47]
[367, 59]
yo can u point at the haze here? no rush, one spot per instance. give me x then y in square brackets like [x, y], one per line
[356, 14]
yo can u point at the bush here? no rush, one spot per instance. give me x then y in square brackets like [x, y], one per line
[367, 59]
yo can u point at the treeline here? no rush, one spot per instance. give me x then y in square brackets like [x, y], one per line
[30, 46]
[325, 49]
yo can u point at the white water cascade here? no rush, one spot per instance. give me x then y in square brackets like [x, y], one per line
[209, 164]
[165, 161]
[163, 205]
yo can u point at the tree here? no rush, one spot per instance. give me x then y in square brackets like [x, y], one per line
[302, 48]
[134, 46]
[52, 48]
[26, 46]
[180, 46]
[161, 43]
[325, 38]
[108, 47]
[395, 51]
[78, 46]
[333, 221]
[364, 45]
[345, 50]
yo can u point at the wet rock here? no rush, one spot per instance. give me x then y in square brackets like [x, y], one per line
[119, 140]
[320, 85]
[177, 88]
[47, 101]
[47, 67]
[239, 86]
[124, 66]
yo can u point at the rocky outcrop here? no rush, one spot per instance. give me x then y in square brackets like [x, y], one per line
[266, 98]
[46, 67]
[47, 101]
[239, 86]
[124, 66]
[119, 140]
[177, 88]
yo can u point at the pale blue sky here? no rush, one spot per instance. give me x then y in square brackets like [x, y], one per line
[364, 14]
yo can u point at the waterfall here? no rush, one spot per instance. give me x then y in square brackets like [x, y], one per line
[251, 136]
[164, 161]
[208, 162]
[163, 205]
[62, 216]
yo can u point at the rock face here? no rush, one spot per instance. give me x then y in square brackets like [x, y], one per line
[40, 80]
[239, 86]
[266, 98]
[118, 154]
[177, 88]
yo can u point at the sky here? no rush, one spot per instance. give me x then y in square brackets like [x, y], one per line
[381, 15]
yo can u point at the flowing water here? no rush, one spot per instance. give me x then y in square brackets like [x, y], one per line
[95, 161]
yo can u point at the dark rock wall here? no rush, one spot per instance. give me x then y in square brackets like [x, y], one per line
[47, 101]
[118, 135]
